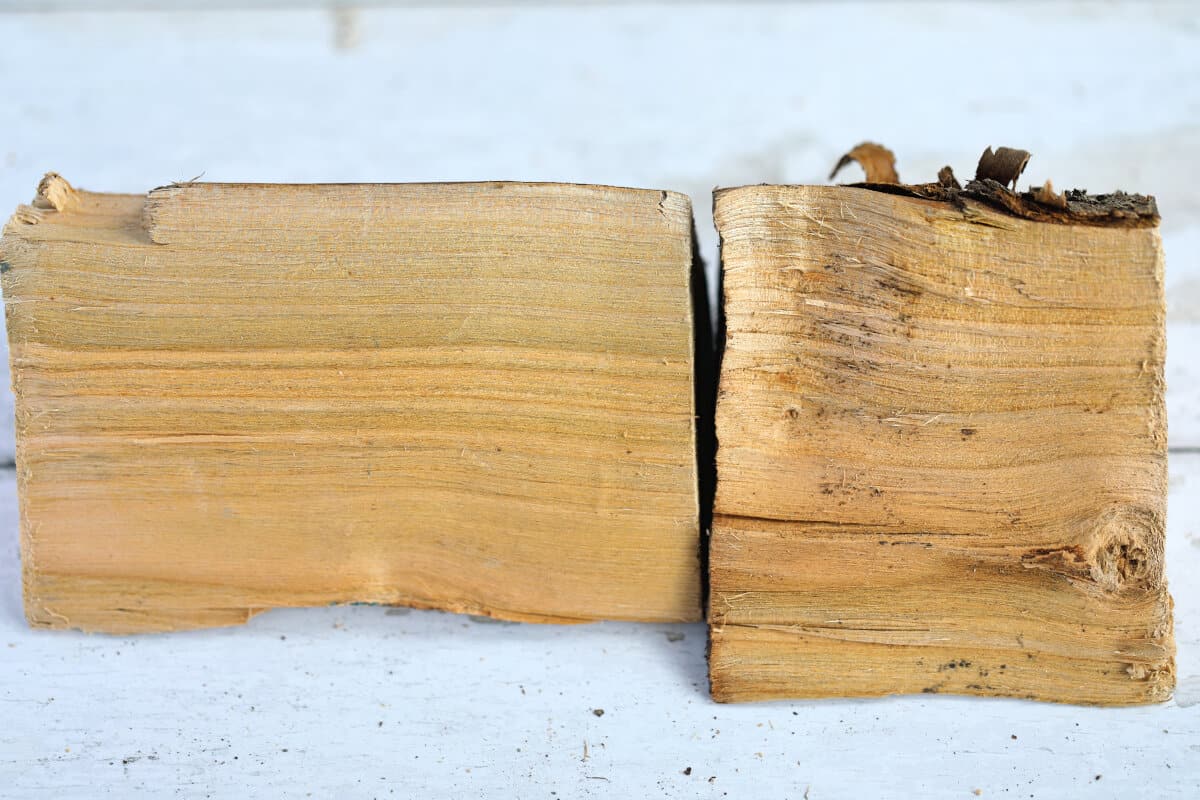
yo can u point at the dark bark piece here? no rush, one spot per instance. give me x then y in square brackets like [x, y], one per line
[1115, 210]
[947, 180]
[1004, 166]
[942, 462]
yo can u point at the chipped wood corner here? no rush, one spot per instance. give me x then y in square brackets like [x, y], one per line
[54, 192]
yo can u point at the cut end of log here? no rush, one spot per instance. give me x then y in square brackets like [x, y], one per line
[478, 397]
[862, 547]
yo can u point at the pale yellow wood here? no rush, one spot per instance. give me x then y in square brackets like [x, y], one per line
[942, 462]
[475, 397]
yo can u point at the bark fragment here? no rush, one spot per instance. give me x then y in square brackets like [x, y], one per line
[877, 162]
[1004, 166]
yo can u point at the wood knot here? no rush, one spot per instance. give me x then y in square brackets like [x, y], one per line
[1122, 551]
[1120, 562]
[1126, 549]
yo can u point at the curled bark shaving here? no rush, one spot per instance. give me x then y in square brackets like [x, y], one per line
[1004, 166]
[876, 160]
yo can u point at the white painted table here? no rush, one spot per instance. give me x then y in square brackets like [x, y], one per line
[367, 701]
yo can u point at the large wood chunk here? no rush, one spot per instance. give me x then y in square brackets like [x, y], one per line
[475, 397]
[942, 462]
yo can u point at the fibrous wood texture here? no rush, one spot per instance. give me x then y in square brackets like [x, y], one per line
[475, 397]
[942, 462]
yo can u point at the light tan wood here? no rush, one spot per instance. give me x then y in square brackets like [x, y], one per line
[942, 462]
[474, 397]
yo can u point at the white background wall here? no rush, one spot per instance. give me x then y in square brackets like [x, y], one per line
[675, 96]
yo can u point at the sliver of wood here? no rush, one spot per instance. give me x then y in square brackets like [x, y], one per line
[942, 462]
[474, 397]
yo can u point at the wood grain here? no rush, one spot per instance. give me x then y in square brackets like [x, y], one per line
[942, 462]
[474, 397]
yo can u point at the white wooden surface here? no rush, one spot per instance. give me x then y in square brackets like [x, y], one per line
[374, 702]
[368, 701]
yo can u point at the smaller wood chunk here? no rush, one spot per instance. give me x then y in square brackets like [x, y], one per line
[473, 397]
[942, 462]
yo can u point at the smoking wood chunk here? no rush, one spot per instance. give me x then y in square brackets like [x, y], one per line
[474, 397]
[942, 462]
